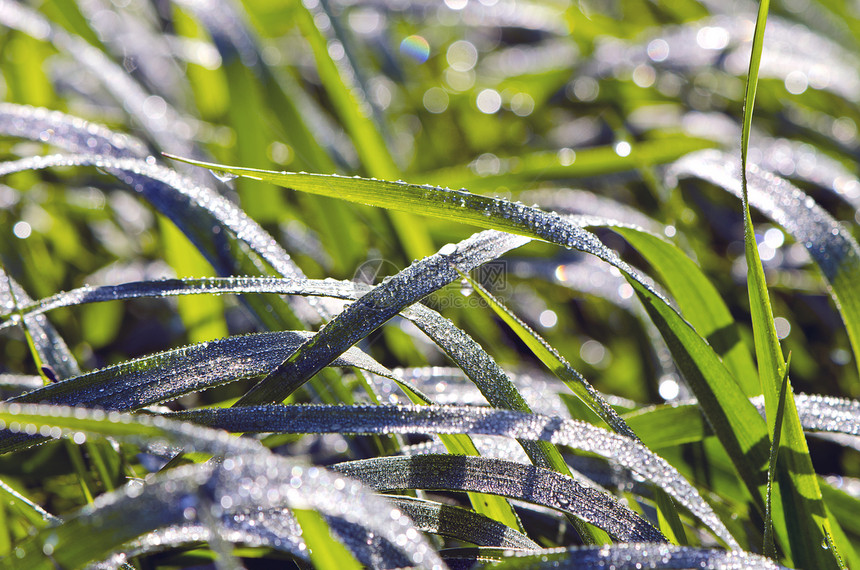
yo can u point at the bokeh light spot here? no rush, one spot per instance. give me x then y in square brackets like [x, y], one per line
[415, 48]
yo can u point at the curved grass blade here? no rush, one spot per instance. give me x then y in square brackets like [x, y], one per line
[451, 205]
[636, 556]
[66, 131]
[179, 494]
[625, 451]
[275, 529]
[528, 483]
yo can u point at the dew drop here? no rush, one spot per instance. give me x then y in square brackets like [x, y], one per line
[223, 176]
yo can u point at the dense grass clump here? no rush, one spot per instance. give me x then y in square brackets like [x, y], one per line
[389, 284]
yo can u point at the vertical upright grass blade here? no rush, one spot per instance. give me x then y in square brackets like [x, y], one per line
[798, 509]
[769, 548]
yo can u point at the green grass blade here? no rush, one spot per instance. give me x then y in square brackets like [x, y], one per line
[802, 512]
[325, 550]
[769, 548]
[699, 303]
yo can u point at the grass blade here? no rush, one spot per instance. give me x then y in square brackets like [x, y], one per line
[769, 548]
[529, 483]
[325, 551]
[634, 556]
[801, 519]
[462, 524]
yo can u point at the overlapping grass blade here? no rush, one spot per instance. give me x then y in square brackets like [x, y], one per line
[214, 361]
[375, 308]
[735, 421]
[181, 493]
[471, 420]
[515, 480]
[476, 363]
[165, 376]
